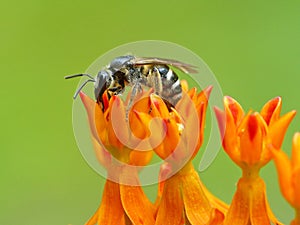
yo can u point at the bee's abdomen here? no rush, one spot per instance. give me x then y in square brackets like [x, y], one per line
[171, 85]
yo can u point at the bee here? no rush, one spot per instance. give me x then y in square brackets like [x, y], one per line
[136, 72]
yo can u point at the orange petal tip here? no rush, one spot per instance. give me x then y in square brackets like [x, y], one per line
[271, 110]
[207, 91]
[220, 115]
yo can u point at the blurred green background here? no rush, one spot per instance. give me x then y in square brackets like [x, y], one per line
[251, 46]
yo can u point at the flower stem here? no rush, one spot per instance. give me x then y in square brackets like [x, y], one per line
[250, 174]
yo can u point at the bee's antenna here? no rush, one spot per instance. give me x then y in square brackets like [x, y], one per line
[80, 75]
[83, 84]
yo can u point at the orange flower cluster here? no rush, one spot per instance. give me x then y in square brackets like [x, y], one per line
[245, 140]
[125, 145]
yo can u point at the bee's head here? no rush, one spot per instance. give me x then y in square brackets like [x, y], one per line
[102, 82]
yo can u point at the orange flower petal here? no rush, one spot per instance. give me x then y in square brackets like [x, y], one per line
[258, 209]
[192, 93]
[140, 158]
[100, 123]
[158, 107]
[170, 209]
[197, 207]
[193, 125]
[184, 85]
[136, 204]
[172, 137]
[203, 96]
[90, 106]
[118, 131]
[296, 151]
[251, 140]
[271, 110]
[111, 211]
[228, 133]
[216, 218]
[105, 99]
[238, 212]
[184, 106]
[234, 109]
[142, 104]
[296, 187]
[138, 126]
[149, 131]
[164, 173]
[284, 171]
[95, 115]
[103, 156]
[278, 129]
[295, 162]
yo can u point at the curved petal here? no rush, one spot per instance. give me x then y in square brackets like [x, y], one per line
[170, 209]
[258, 208]
[92, 109]
[111, 211]
[184, 106]
[296, 151]
[295, 162]
[228, 133]
[184, 85]
[196, 204]
[158, 107]
[164, 173]
[194, 130]
[278, 129]
[251, 140]
[234, 108]
[203, 96]
[271, 110]
[96, 121]
[117, 130]
[238, 212]
[192, 93]
[103, 156]
[296, 187]
[216, 218]
[154, 132]
[136, 204]
[139, 124]
[142, 104]
[284, 171]
[140, 158]
[172, 137]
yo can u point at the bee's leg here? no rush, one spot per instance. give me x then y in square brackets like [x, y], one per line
[155, 80]
[137, 87]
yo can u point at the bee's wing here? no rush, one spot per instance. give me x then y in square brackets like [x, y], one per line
[184, 67]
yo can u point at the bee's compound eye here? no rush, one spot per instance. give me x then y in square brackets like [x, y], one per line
[102, 82]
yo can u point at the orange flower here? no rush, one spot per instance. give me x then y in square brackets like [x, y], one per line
[123, 201]
[245, 138]
[181, 197]
[289, 175]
